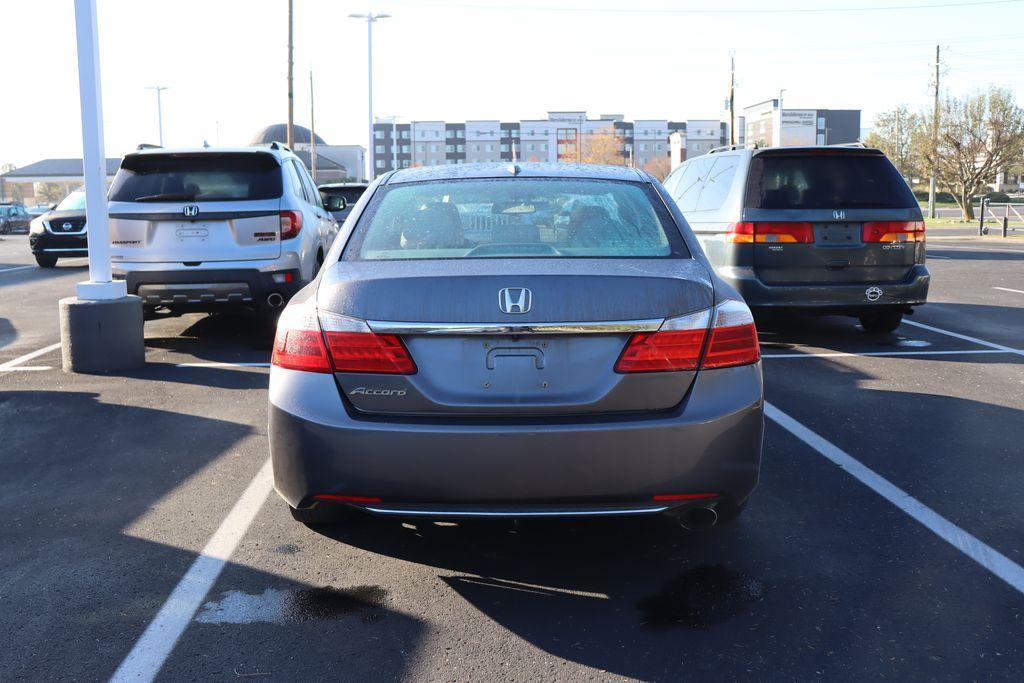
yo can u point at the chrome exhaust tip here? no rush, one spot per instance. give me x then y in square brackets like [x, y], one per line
[698, 519]
[275, 300]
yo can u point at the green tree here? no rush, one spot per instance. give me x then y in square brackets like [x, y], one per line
[895, 133]
[978, 135]
[49, 193]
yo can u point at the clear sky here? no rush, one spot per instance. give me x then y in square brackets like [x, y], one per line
[224, 62]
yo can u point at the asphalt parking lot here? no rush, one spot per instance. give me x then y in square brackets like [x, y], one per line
[886, 539]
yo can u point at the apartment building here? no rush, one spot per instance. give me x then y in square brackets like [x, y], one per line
[768, 125]
[561, 137]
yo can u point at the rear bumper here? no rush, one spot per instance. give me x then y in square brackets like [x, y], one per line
[912, 291]
[59, 245]
[207, 287]
[521, 466]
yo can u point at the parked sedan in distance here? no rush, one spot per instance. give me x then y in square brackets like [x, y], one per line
[13, 218]
[827, 230]
[339, 198]
[516, 340]
[60, 232]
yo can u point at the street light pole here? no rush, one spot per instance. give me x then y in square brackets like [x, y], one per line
[159, 111]
[369, 18]
[291, 91]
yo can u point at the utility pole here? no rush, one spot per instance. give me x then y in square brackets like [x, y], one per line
[159, 112]
[312, 129]
[732, 99]
[291, 93]
[935, 139]
[370, 19]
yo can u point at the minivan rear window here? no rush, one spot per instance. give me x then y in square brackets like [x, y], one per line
[826, 181]
[515, 218]
[197, 178]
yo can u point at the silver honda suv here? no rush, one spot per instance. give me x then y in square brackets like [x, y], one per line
[200, 229]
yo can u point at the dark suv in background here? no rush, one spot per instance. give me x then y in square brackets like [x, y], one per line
[60, 232]
[826, 230]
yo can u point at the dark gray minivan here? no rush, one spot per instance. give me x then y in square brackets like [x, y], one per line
[826, 230]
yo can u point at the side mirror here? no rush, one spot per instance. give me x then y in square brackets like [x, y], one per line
[336, 203]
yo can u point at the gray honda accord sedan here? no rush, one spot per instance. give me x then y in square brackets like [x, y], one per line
[516, 340]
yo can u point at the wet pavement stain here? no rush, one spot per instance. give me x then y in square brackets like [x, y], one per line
[701, 597]
[294, 606]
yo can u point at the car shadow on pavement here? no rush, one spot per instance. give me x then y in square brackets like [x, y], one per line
[8, 333]
[221, 337]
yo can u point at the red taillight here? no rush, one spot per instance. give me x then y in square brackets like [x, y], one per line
[291, 223]
[368, 352]
[335, 343]
[893, 231]
[680, 343]
[334, 498]
[770, 232]
[684, 496]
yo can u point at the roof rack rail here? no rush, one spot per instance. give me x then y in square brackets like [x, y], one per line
[855, 145]
[147, 145]
[280, 145]
[724, 148]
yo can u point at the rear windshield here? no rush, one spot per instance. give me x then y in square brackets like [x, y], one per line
[515, 218]
[826, 181]
[351, 194]
[191, 178]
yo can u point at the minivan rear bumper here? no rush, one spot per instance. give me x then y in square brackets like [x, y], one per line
[912, 291]
[608, 464]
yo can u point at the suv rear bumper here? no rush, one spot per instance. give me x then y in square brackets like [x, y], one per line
[198, 288]
[607, 464]
[912, 291]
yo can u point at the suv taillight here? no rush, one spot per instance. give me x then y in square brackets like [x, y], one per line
[893, 231]
[770, 232]
[291, 223]
[688, 343]
[327, 342]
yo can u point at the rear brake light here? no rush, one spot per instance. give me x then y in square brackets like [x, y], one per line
[770, 232]
[298, 344]
[334, 498]
[893, 231]
[688, 343]
[335, 343]
[684, 496]
[291, 223]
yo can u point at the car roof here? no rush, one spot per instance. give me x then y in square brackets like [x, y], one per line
[516, 170]
[150, 151]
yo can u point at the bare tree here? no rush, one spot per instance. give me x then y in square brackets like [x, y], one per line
[49, 193]
[979, 135]
[602, 148]
[895, 133]
[659, 166]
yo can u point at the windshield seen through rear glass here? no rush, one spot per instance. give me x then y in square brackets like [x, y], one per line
[73, 202]
[826, 181]
[197, 177]
[515, 218]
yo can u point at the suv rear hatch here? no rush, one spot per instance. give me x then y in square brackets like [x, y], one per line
[830, 215]
[558, 358]
[194, 207]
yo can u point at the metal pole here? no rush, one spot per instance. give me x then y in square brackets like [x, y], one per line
[291, 93]
[371, 172]
[732, 100]
[312, 129]
[935, 140]
[981, 219]
[159, 112]
[1006, 222]
[100, 285]
[394, 143]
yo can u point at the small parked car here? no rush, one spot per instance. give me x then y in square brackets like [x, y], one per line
[826, 230]
[60, 232]
[13, 218]
[202, 229]
[590, 363]
[339, 198]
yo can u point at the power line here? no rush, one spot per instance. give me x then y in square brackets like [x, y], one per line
[708, 11]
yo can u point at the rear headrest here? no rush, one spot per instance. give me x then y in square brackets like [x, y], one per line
[434, 226]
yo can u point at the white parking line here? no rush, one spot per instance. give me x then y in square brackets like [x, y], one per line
[9, 365]
[11, 270]
[957, 335]
[29, 368]
[1007, 289]
[152, 649]
[989, 558]
[845, 354]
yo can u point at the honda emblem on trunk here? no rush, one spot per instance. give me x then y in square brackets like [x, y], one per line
[515, 300]
[839, 215]
[190, 210]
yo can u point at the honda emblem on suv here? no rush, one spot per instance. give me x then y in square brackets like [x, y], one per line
[839, 215]
[190, 210]
[515, 300]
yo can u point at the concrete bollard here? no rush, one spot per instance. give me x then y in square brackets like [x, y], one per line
[101, 336]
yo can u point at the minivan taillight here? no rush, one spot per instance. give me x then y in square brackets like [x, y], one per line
[689, 343]
[893, 231]
[328, 342]
[770, 232]
[291, 223]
